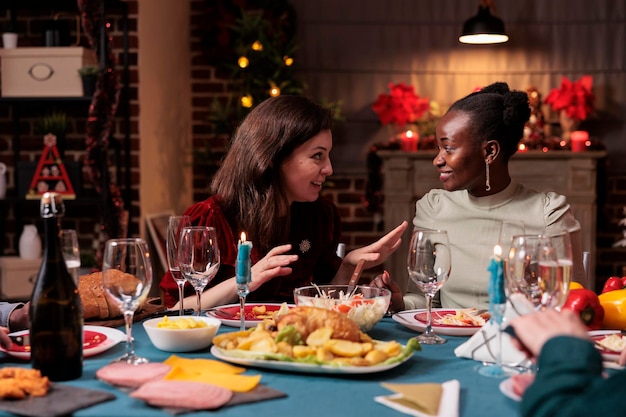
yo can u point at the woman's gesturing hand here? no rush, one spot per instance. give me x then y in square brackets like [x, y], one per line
[377, 252]
[274, 264]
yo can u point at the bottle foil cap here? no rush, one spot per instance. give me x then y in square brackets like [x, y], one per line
[52, 205]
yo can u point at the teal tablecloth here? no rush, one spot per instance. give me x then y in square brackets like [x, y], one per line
[319, 395]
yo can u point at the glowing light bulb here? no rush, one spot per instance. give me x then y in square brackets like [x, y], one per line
[257, 46]
[243, 62]
[246, 101]
[274, 91]
[288, 61]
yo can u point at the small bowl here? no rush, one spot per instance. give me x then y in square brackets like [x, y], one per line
[181, 340]
[365, 305]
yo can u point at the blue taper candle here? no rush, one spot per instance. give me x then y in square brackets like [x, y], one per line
[242, 265]
[496, 279]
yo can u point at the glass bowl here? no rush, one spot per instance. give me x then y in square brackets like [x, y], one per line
[364, 305]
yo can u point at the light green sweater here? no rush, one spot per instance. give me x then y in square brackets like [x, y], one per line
[473, 230]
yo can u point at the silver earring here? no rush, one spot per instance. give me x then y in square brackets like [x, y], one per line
[487, 185]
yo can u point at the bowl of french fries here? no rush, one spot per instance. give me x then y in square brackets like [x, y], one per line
[181, 333]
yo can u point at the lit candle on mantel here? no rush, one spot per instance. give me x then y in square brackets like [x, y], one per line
[496, 279]
[579, 140]
[242, 266]
[408, 141]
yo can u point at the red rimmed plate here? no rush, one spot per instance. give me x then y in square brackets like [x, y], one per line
[599, 335]
[96, 340]
[230, 315]
[416, 320]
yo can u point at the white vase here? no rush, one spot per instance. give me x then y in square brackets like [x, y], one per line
[9, 40]
[30, 243]
[3, 180]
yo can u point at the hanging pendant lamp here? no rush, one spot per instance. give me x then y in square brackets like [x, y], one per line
[484, 28]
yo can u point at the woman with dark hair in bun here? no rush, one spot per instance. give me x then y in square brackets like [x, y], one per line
[476, 138]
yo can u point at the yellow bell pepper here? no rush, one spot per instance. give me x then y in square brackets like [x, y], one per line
[575, 285]
[614, 303]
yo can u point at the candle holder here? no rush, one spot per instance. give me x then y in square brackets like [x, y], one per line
[243, 276]
[242, 291]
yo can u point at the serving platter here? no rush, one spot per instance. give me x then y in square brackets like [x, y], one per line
[300, 367]
[598, 335]
[229, 314]
[97, 339]
[416, 320]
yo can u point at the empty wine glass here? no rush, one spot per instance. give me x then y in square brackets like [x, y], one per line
[198, 257]
[126, 278]
[71, 253]
[174, 226]
[428, 264]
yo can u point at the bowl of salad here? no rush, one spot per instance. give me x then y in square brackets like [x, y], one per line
[365, 305]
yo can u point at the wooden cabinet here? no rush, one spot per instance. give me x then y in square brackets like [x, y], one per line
[17, 277]
[410, 175]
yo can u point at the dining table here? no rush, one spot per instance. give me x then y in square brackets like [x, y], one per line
[312, 394]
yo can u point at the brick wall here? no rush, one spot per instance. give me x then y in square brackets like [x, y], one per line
[83, 215]
[360, 227]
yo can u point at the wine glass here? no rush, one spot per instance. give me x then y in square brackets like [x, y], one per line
[174, 226]
[562, 245]
[71, 253]
[126, 279]
[497, 302]
[531, 275]
[428, 264]
[198, 257]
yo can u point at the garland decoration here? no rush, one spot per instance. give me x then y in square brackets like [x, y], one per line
[99, 124]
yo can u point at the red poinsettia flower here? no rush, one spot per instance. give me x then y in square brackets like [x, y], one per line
[575, 98]
[401, 106]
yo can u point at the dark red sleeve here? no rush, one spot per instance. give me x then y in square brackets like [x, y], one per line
[206, 213]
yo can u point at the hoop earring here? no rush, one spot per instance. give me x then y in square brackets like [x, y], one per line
[487, 185]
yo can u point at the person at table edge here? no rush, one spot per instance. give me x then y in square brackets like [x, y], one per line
[268, 186]
[570, 380]
[476, 138]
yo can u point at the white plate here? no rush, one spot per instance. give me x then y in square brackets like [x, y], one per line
[229, 314]
[506, 387]
[416, 320]
[300, 367]
[113, 337]
[607, 355]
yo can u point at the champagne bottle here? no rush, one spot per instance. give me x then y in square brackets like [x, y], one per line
[56, 313]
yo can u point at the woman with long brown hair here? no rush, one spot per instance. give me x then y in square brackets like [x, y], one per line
[268, 186]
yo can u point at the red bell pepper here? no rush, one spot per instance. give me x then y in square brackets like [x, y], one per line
[624, 281]
[612, 284]
[586, 303]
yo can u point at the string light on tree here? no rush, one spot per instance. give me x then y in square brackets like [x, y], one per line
[257, 46]
[246, 101]
[243, 62]
[274, 90]
[288, 60]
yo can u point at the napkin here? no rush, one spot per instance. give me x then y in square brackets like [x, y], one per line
[483, 346]
[211, 372]
[423, 400]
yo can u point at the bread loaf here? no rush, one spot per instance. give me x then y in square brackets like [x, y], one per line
[96, 305]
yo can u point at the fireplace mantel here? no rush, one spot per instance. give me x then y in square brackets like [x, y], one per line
[410, 175]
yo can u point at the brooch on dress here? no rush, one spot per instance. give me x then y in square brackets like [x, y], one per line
[305, 245]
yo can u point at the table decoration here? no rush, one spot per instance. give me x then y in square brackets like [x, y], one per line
[574, 102]
[497, 305]
[243, 276]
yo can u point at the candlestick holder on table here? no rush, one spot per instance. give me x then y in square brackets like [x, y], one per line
[243, 276]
